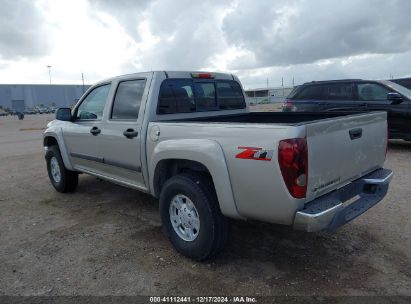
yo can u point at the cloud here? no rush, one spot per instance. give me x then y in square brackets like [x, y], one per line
[127, 12]
[283, 33]
[304, 39]
[241, 35]
[22, 30]
[172, 34]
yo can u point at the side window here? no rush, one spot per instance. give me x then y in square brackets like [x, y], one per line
[311, 92]
[230, 95]
[338, 91]
[128, 99]
[294, 92]
[205, 96]
[176, 96]
[372, 91]
[93, 105]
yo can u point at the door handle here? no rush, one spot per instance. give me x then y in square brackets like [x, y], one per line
[130, 133]
[355, 133]
[95, 131]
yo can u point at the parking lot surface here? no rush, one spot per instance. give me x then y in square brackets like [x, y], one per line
[107, 240]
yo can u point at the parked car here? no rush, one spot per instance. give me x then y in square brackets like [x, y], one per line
[188, 139]
[30, 112]
[3, 113]
[405, 82]
[356, 95]
[41, 110]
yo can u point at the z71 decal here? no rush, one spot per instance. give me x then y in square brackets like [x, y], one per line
[255, 153]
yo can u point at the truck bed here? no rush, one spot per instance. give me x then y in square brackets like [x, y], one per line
[342, 147]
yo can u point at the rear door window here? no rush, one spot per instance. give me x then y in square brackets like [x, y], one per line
[338, 91]
[128, 99]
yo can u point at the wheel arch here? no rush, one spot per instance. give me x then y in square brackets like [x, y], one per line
[172, 157]
[49, 141]
[53, 139]
[167, 168]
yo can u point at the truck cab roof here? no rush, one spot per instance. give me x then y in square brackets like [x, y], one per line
[176, 74]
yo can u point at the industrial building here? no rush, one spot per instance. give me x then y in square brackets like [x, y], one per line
[32, 95]
[267, 95]
[28, 96]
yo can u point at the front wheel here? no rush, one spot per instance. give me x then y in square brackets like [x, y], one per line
[63, 180]
[191, 216]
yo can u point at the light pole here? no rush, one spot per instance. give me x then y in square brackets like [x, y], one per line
[49, 67]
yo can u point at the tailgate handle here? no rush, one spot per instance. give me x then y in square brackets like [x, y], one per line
[355, 133]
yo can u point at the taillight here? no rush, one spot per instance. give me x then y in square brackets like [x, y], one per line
[288, 105]
[293, 161]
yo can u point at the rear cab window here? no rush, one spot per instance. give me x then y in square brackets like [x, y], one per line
[188, 95]
[205, 96]
[230, 95]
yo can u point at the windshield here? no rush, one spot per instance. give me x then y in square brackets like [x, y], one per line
[399, 88]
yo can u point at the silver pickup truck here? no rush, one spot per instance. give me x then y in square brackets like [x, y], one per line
[188, 139]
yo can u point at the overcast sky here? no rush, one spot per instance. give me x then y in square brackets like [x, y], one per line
[257, 40]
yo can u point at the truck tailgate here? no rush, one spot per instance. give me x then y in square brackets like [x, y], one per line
[344, 149]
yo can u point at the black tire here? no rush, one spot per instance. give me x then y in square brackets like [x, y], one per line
[213, 232]
[68, 179]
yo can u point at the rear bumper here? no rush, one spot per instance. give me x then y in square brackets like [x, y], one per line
[329, 211]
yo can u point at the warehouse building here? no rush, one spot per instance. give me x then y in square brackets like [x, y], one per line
[32, 95]
[267, 95]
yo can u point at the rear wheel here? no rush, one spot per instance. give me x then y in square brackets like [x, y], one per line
[191, 216]
[63, 180]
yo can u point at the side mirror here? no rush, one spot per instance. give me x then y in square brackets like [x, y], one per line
[396, 98]
[63, 114]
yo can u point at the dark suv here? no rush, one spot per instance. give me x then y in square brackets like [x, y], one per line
[356, 95]
[405, 82]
